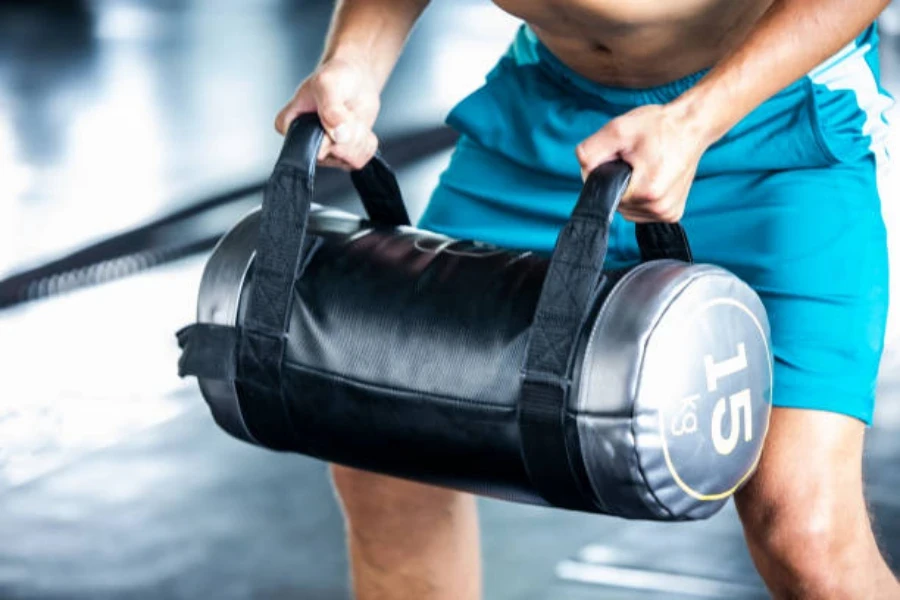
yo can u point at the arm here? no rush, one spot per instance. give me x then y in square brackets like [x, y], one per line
[372, 32]
[664, 143]
[790, 39]
[364, 42]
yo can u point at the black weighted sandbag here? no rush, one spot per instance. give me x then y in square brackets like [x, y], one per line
[643, 392]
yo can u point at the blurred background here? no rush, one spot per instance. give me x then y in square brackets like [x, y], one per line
[116, 115]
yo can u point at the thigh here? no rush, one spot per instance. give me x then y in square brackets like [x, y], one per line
[812, 244]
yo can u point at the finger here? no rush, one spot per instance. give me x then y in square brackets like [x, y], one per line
[351, 136]
[649, 184]
[667, 211]
[660, 201]
[301, 103]
[643, 193]
[638, 219]
[640, 216]
[354, 152]
[657, 210]
[368, 149]
[331, 100]
[605, 145]
[360, 150]
[637, 216]
[335, 163]
[641, 202]
[325, 148]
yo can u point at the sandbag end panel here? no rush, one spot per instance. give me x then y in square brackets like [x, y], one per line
[227, 415]
[674, 391]
[218, 304]
[609, 443]
[705, 395]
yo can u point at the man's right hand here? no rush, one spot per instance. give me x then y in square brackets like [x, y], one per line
[346, 97]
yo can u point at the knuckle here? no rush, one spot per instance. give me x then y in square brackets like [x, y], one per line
[356, 161]
[656, 211]
[330, 114]
[641, 195]
[583, 152]
[665, 213]
[365, 154]
[664, 216]
[675, 215]
[352, 158]
[325, 78]
[615, 129]
[654, 193]
[653, 202]
[360, 134]
[339, 152]
[306, 88]
[349, 155]
[367, 104]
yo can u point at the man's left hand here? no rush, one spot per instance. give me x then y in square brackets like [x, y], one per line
[663, 145]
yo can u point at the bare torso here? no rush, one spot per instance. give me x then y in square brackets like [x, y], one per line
[638, 43]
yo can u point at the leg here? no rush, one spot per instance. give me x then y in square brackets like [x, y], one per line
[804, 515]
[812, 244]
[407, 540]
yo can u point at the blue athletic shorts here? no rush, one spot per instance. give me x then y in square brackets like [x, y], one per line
[788, 200]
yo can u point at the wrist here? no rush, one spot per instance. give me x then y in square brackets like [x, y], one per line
[363, 58]
[702, 118]
[348, 52]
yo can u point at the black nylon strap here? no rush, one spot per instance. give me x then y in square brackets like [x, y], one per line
[283, 221]
[208, 351]
[282, 251]
[280, 257]
[573, 275]
[663, 240]
[380, 194]
[285, 214]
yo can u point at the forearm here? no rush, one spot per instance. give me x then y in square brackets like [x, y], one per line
[791, 38]
[373, 31]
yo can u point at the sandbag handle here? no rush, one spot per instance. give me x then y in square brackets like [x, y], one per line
[576, 266]
[375, 183]
[282, 249]
[574, 275]
[605, 187]
[287, 199]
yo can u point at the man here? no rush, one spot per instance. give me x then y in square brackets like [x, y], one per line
[759, 125]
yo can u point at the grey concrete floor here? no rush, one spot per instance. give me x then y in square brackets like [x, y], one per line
[114, 481]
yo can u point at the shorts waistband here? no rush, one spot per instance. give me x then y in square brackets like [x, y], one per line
[527, 49]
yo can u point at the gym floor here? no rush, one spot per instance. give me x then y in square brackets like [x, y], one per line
[114, 480]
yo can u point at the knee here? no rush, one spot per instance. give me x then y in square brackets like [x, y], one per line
[369, 498]
[807, 543]
[804, 543]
